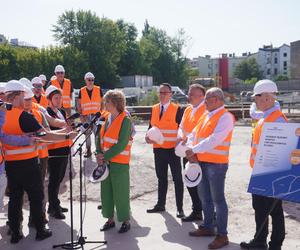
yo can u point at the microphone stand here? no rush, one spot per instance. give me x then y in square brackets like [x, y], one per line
[81, 240]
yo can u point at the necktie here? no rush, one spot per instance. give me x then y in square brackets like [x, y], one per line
[161, 111]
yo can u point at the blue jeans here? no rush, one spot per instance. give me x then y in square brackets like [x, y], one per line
[211, 193]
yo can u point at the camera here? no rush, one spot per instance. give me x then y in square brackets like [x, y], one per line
[8, 106]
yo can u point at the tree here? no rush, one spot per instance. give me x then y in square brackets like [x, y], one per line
[248, 69]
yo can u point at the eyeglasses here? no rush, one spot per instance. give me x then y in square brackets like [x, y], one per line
[164, 93]
[90, 80]
[59, 73]
[37, 86]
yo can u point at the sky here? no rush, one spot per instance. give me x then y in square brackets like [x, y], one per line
[212, 27]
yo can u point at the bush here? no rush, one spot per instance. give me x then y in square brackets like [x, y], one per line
[253, 80]
[150, 99]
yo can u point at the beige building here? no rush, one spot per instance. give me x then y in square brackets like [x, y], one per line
[295, 60]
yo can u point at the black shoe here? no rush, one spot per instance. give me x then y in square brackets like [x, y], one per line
[156, 209]
[192, 217]
[43, 234]
[99, 207]
[16, 237]
[108, 225]
[124, 228]
[180, 214]
[63, 209]
[57, 214]
[252, 244]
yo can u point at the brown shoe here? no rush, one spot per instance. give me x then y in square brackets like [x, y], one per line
[219, 242]
[202, 232]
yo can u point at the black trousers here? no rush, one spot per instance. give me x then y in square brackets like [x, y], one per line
[163, 158]
[262, 206]
[193, 191]
[26, 176]
[56, 169]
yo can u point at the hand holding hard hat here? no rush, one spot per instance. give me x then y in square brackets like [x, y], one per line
[155, 135]
[192, 174]
[100, 173]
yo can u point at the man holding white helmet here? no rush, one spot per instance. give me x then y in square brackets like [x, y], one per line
[209, 145]
[21, 165]
[265, 99]
[166, 116]
[89, 103]
[65, 85]
[189, 121]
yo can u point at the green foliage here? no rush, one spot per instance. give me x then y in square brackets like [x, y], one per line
[281, 78]
[107, 48]
[248, 69]
[150, 99]
[253, 80]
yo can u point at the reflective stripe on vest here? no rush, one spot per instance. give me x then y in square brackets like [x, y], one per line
[167, 125]
[219, 154]
[12, 127]
[110, 137]
[66, 92]
[189, 122]
[90, 105]
[258, 129]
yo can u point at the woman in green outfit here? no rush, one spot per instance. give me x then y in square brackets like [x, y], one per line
[116, 143]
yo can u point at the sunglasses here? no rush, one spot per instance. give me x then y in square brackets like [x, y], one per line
[90, 80]
[164, 93]
[59, 73]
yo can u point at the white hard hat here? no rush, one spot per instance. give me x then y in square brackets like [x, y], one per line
[265, 86]
[100, 173]
[43, 77]
[36, 80]
[2, 87]
[50, 89]
[155, 134]
[14, 85]
[59, 68]
[89, 75]
[180, 150]
[192, 174]
[25, 82]
[28, 93]
[53, 78]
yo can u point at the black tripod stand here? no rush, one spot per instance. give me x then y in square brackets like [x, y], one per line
[81, 241]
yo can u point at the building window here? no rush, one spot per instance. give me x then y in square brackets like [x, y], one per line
[285, 73]
[275, 60]
[284, 54]
[268, 60]
[268, 71]
[285, 64]
[275, 71]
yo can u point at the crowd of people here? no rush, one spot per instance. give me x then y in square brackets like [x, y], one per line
[37, 131]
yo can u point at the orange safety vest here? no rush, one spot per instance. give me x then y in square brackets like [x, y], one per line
[258, 129]
[110, 137]
[43, 101]
[12, 127]
[90, 105]
[66, 92]
[1, 154]
[42, 148]
[167, 125]
[219, 154]
[189, 122]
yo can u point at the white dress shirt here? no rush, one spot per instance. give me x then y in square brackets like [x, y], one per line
[165, 106]
[223, 128]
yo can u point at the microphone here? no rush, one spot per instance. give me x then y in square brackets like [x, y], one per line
[97, 115]
[73, 117]
[99, 124]
[81, 125]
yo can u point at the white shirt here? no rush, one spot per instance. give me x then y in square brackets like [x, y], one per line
[223, 128]
[194, 110]
[165, 106]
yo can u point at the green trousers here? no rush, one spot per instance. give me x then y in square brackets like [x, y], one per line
[115, 192]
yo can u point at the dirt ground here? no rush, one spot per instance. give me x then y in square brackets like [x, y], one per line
[144, 192]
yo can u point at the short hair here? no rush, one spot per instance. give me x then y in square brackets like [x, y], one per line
[198, 86]
[217, 92]
[117, 98]
[11, 95]
[168, 85]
